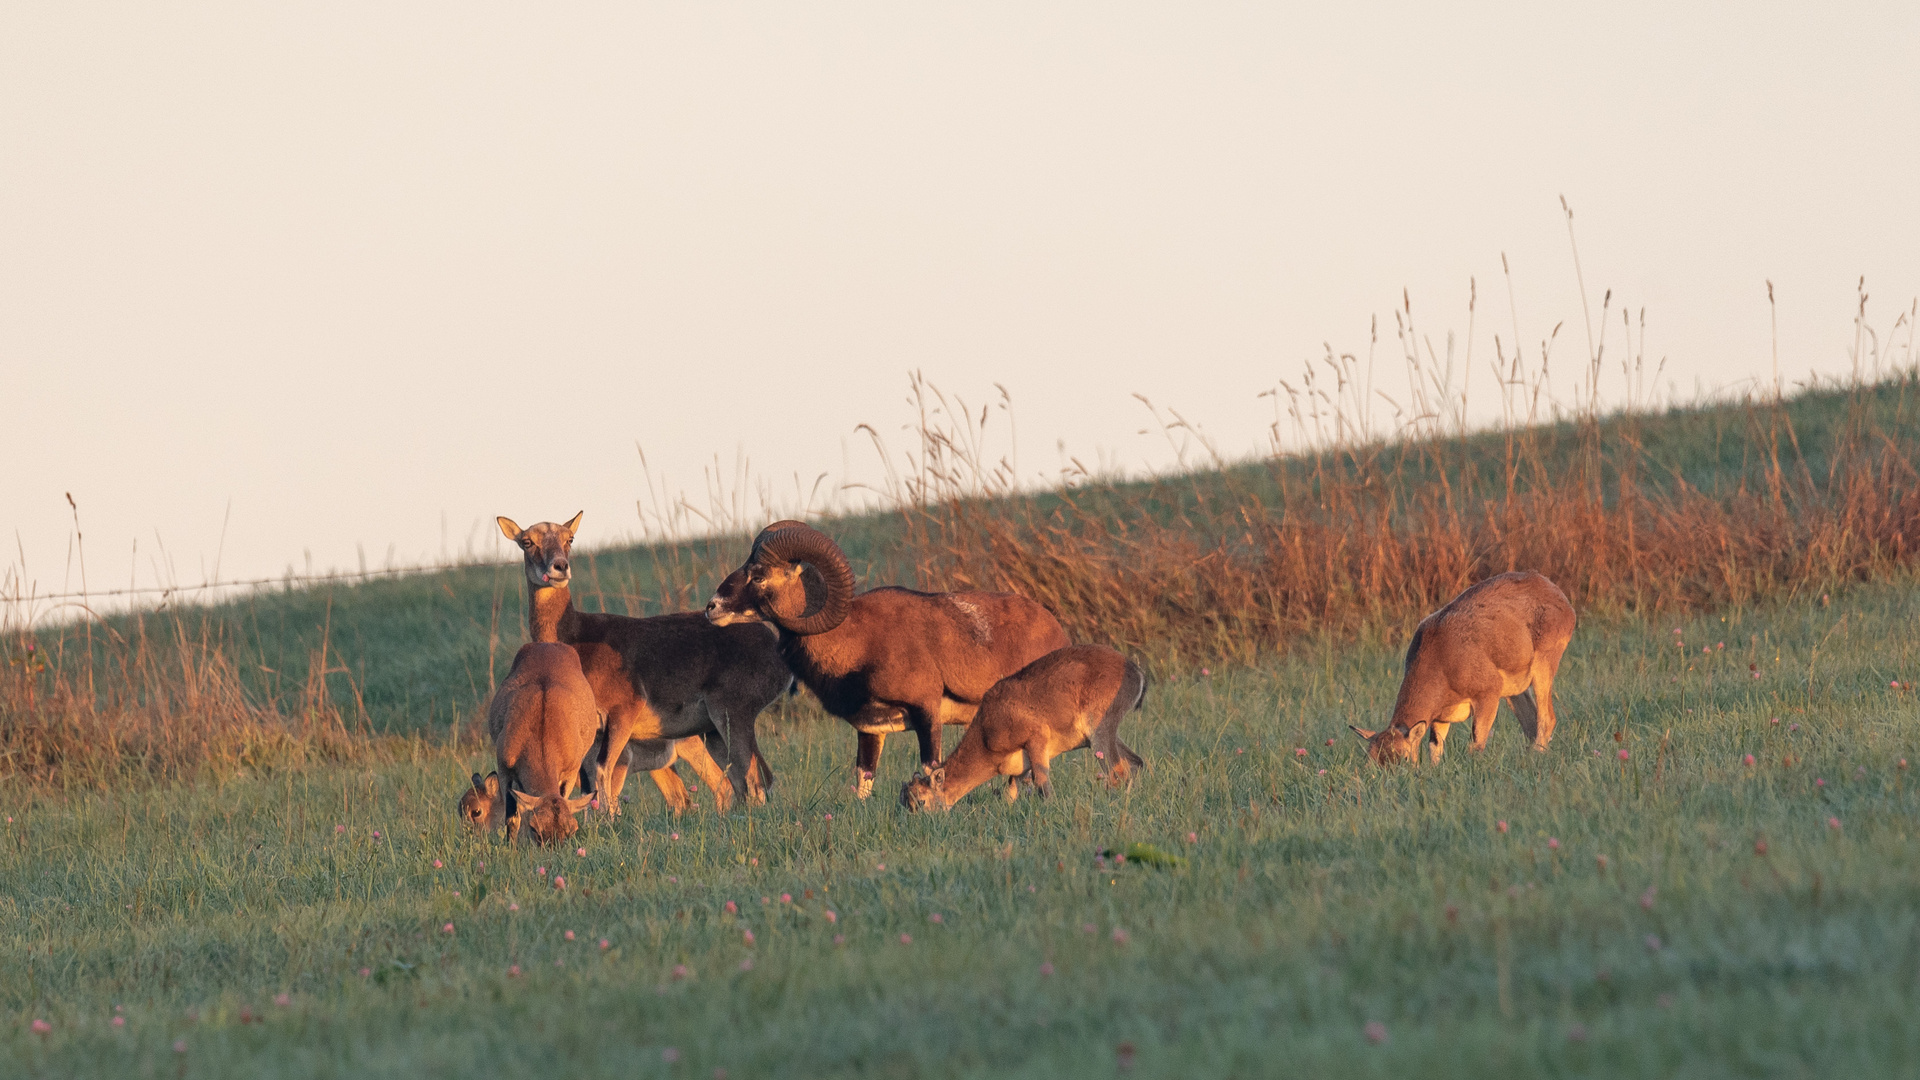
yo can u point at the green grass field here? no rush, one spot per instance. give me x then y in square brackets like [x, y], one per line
[1621, 923]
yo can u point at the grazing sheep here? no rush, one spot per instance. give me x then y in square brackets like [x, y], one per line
[1500, 638]
[1067, 699]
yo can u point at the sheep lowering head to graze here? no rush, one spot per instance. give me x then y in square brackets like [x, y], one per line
[543, 723]
[1067, 699]
[887, 660]
[482, 808]
[1500, 638]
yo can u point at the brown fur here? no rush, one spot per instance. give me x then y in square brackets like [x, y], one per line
[1500, 638]
[1067, 699]
[670, 677]
[542, 720]
[900, 660]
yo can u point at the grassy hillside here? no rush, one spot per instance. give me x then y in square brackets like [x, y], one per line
[1509, 914]
[419, 654]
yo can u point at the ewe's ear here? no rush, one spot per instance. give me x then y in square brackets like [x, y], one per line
[579, 803]
[937, 777]
[507, 526]
[525, 801]
[477, 786]
[573, 526]
[1365, 735]
[491, 786]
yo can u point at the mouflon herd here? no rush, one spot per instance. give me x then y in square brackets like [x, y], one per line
[593, 696]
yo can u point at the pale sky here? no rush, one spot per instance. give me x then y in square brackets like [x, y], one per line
[356, 270]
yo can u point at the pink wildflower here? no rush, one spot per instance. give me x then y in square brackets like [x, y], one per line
[1553, 843]
[833, 917]
[447, 929]
[284, 1000]
[1046, 968]
[436, 864]
[559, 882]
[839, 939]
[119, 1021]
[1119, 936]
[1623, 753]
[1748, 761]
[1376, 1032]
[732, 908]
[605, 944]
[747, 936]
[41, 1027]
[1646, 898]
[1501, 825]
[179, 1046]
[679, 971]
[1833, 823]
[906, 939]
[569, 935]
[936, 918]
[513, 972]
[1300, 751]
[747, 964]
[786, 898]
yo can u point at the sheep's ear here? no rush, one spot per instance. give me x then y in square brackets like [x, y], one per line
[937, 777]
[525, 801]
[1365, 735]
[1419, 730]
[573, 526]
[477, 786]
[579, 803]
[507, 526]
[490, 787]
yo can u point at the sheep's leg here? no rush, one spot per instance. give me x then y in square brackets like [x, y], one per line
[927, 730]
[1484, 710]
[693, 751]
[867, 762]
[1037, 760]
[746, 771]
[1528, 713]
[621, 723]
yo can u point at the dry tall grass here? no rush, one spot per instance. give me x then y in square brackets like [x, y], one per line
[92, 707]
[1363, 532]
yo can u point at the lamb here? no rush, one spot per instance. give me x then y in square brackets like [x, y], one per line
[1067, 699]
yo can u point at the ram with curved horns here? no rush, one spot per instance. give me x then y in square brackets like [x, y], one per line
[886, 660]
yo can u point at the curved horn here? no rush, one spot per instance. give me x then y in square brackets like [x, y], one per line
[803, 543]
[776, 527]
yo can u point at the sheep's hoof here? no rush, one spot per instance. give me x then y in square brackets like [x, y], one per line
[863, 787]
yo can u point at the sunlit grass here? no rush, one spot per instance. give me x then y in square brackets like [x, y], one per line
[1312, 904]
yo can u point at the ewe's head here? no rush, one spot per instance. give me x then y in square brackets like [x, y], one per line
[477, 802]
[923, 791]
[796, 578]
[1393, 745]
[549, 816]
[546, 549]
